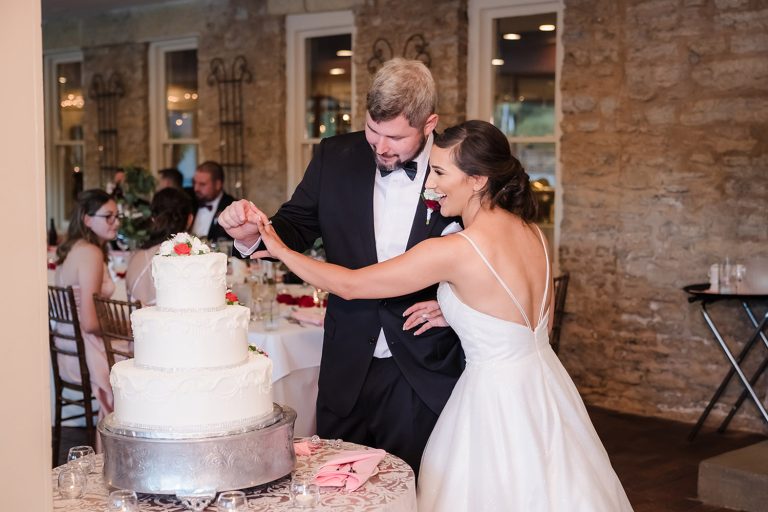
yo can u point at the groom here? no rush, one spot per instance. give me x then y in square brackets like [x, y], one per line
[379, 384]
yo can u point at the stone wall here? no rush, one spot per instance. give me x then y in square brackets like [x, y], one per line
[664, 157]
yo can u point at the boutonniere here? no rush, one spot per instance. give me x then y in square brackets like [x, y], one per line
[431, 198]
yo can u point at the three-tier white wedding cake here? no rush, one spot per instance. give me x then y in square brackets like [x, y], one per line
[192, 370]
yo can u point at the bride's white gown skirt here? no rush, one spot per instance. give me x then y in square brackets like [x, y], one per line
[515, 435]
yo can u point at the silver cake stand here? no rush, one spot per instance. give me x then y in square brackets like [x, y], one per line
[195, 466]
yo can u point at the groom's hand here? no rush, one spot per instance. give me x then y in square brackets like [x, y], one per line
[239, 221]
[427, 314]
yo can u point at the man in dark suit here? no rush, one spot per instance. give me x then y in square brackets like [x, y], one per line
[208, 184]
[380, 385]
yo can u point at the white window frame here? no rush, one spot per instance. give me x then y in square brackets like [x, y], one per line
[482, 14]
[54, 201]
[158, 138]
[299, 28]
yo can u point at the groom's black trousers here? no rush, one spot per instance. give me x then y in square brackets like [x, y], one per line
[388, 415]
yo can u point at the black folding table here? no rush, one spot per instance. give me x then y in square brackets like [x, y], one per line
[749, 297]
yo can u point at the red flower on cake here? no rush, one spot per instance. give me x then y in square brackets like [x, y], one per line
[181, 249]
[231, 298]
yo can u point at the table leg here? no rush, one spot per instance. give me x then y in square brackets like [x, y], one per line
[753, 380]
[734, 368]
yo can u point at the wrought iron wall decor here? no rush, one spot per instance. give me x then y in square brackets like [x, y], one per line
[106, 95]
[415, 48]
[230, 88]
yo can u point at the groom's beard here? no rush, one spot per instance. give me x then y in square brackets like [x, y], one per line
[398, 164]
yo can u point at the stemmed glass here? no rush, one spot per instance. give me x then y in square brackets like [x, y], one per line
[72, 481]
[122, 501]
[232, 501]
[84, 457]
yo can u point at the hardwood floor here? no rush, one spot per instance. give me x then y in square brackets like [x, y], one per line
[656, 464]
[652, 457]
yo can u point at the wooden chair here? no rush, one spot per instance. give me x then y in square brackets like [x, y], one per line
[561, 290]
[115, 322]
[64, 324]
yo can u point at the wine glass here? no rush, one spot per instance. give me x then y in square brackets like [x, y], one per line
[72, 481]
[232, 501]
[123, 501]
[84, 457]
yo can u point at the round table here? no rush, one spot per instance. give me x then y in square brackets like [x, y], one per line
[392, 489]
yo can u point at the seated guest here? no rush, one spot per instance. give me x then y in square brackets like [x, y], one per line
[82, 264]
[169, 178]
[171, 214]
[208, 184]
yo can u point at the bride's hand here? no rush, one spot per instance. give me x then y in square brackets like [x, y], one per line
[427, 314]
[272, 241]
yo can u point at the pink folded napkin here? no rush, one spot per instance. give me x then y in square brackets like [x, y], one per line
[309, 316]
[302, 448]
[350, 469]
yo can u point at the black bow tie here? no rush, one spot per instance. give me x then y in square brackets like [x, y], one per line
[209, 207]
[408, 167]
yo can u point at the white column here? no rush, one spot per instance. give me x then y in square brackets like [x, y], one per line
[25, 427]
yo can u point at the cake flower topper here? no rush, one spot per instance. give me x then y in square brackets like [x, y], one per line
[431, 198]
[231, 298]
[183, 244]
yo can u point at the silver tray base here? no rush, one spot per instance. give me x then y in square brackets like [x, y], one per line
[247, 457]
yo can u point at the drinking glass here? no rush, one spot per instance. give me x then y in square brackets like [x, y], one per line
[72, 481]
[84, 457]
[304, 493]
[232, 501]
[122, 501]
[271, 310]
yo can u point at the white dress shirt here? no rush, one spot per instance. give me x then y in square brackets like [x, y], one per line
[204, 217]
[395, 199]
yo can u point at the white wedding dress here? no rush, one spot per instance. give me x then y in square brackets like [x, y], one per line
[515, 435]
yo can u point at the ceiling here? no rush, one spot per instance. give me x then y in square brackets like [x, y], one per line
[54, 8]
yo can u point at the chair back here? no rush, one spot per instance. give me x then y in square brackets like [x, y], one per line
[561, 290]
[64, 325]
[115, 322]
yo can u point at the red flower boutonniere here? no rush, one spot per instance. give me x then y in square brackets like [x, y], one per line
[431, 198]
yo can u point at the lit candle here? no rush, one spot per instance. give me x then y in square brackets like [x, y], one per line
[305, 500]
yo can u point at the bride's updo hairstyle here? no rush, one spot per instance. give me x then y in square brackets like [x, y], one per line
[480, 149]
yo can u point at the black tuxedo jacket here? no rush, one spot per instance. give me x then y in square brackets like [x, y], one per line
[215, 231]
[335, 200]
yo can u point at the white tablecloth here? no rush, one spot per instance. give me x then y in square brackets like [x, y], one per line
[295, 352]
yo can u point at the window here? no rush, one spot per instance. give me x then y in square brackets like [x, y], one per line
[65, 102]
[320, 85]
[514, 59]
[174, 101]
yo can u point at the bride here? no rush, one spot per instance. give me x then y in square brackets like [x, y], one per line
[514, 435]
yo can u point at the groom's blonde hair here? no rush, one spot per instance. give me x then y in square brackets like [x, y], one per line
[402, 87]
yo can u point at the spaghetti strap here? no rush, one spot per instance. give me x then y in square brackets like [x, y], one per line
[546, 283]
[498, 278]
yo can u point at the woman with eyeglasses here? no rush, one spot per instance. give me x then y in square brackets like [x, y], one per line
[82, 264]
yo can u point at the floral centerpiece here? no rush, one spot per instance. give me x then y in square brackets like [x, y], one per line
[133, 206]
[431, 198]
[183, 244]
